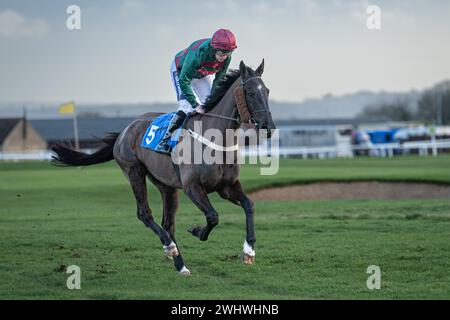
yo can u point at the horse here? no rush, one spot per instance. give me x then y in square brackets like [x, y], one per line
[241, 96]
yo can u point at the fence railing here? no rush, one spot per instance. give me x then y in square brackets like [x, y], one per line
[31, 155]
[23, 156]
[423, 148]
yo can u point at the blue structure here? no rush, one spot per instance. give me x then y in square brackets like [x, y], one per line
[382, 136]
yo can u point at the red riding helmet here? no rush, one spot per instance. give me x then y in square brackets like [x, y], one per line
[223, 39]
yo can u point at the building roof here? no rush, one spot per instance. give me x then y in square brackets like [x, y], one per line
[6, 125]
[88, 128]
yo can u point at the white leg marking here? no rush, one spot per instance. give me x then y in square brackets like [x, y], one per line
[185, 271]
[248, 249]
[171, 250]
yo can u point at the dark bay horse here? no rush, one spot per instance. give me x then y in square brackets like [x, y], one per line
[226, 109]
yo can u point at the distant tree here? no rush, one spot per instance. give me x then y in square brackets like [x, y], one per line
[434, 105]
[395, 111]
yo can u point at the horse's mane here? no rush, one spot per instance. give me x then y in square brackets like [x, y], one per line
[221, 89]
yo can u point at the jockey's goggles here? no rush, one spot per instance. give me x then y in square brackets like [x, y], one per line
[223, 53]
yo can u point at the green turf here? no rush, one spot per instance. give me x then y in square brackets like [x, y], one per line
[52, 217]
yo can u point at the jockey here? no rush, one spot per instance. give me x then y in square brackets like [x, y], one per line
[192, 71]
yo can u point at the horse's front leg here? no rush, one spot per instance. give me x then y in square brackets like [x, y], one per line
[235, 194]
[199, 197]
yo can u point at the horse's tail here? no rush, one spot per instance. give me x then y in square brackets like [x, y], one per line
[69, 157]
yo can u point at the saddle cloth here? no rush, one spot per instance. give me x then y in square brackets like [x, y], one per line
[156, 131]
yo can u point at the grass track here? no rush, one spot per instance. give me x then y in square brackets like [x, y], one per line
[54, 217]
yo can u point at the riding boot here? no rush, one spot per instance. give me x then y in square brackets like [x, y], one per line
[175, 123]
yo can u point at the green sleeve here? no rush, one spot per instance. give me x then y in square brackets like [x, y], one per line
[220, 74]
[190, 65]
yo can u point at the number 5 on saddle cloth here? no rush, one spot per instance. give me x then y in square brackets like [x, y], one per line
[156, 131]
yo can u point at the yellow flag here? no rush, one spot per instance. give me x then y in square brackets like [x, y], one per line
[68, 107]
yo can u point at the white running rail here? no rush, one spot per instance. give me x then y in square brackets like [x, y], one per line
[424, 148]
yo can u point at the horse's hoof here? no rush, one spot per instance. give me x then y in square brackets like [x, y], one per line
[194, 231]
[247, 259]
[171, 250]
[185, 272]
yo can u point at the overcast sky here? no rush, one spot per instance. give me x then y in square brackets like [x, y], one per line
[125, 47]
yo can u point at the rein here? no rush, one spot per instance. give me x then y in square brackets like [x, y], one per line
[213, 115]
[244, 113]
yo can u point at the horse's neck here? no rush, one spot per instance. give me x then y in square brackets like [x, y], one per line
[226, 107]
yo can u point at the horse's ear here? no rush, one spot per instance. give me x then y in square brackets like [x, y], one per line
[260, 69]
[243, 70]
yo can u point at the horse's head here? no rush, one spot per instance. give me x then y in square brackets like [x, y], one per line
[256, 96]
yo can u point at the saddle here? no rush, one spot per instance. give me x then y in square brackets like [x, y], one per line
[156, 131]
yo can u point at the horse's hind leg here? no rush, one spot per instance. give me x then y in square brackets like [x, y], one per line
[136, 175]
[170, 201]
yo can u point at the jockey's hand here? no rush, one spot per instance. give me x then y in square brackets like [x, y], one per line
[200, 109]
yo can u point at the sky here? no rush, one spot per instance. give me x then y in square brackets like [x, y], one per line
[123, 51]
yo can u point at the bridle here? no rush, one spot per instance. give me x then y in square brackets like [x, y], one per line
[235, 147]
[252, 113]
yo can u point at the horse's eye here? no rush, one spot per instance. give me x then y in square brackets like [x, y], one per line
[251, 94]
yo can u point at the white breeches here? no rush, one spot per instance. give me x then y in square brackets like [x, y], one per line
[201, 88]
